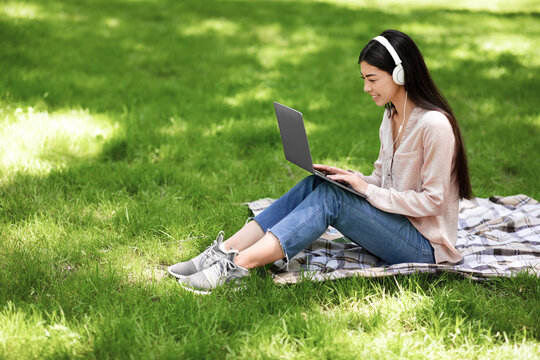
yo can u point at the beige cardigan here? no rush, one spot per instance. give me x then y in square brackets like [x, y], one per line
[415, 181]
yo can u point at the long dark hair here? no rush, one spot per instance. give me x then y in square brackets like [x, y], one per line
[422, 90]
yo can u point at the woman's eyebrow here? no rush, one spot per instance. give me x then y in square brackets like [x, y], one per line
[368, 75]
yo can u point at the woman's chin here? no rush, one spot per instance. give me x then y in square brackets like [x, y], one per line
[379, 101]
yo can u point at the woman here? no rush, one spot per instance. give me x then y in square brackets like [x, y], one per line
[410, 210]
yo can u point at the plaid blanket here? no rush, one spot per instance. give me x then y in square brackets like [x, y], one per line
[499, 236]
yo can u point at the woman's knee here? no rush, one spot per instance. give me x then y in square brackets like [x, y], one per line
[323, 189]
[309, 183]
[310, 180]
[330, 194]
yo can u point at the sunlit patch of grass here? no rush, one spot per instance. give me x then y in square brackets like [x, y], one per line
[534, 119]
[177, 127]
[26, 334]
[111, 22]
[212, 27]
[35, 142]
[467, 46]
[21, 10]
[404, 6]
[520, 46]
[261, 93]
[276, 46]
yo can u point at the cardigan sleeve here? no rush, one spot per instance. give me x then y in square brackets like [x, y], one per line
[437, 141]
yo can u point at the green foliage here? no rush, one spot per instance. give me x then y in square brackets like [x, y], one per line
[132, 131]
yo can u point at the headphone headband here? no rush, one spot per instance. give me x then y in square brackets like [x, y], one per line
[389, 47]
[398, 74]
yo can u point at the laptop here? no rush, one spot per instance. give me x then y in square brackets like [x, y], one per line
[295, 142]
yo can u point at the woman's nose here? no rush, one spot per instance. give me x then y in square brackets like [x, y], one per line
[367, 88]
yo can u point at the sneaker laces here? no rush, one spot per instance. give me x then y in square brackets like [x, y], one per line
[220, 269]
[211, 252]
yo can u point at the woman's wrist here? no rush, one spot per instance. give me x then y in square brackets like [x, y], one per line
[363, 187]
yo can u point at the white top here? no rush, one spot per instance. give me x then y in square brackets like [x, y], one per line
[415, 181]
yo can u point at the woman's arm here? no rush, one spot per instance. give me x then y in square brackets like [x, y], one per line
[436, 172]
[354, 179]
[435, 175]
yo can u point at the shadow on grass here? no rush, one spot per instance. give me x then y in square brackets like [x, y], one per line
[119, 316]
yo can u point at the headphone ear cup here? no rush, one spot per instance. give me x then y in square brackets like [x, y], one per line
[399, 75]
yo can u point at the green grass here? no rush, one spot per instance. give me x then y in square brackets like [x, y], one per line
[133, 131]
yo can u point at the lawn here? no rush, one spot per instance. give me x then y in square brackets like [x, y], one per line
[133, 131]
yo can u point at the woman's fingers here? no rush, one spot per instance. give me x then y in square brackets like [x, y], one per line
[341, 178]
[323, 168]
[352, 179]
[337, 170]
[329, 169]
[320, 167]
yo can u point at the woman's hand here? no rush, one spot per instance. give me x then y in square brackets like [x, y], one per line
[344, 176]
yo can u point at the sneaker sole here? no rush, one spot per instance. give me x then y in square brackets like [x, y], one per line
[234, 288]
[195, 291]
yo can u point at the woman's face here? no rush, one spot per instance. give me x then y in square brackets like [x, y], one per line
[379, 84]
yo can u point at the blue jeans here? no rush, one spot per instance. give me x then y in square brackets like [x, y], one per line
[304, 213]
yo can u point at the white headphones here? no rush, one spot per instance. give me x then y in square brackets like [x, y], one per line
[398, 74]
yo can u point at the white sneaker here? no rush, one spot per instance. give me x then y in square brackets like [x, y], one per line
[221, 272]
[202, 261]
